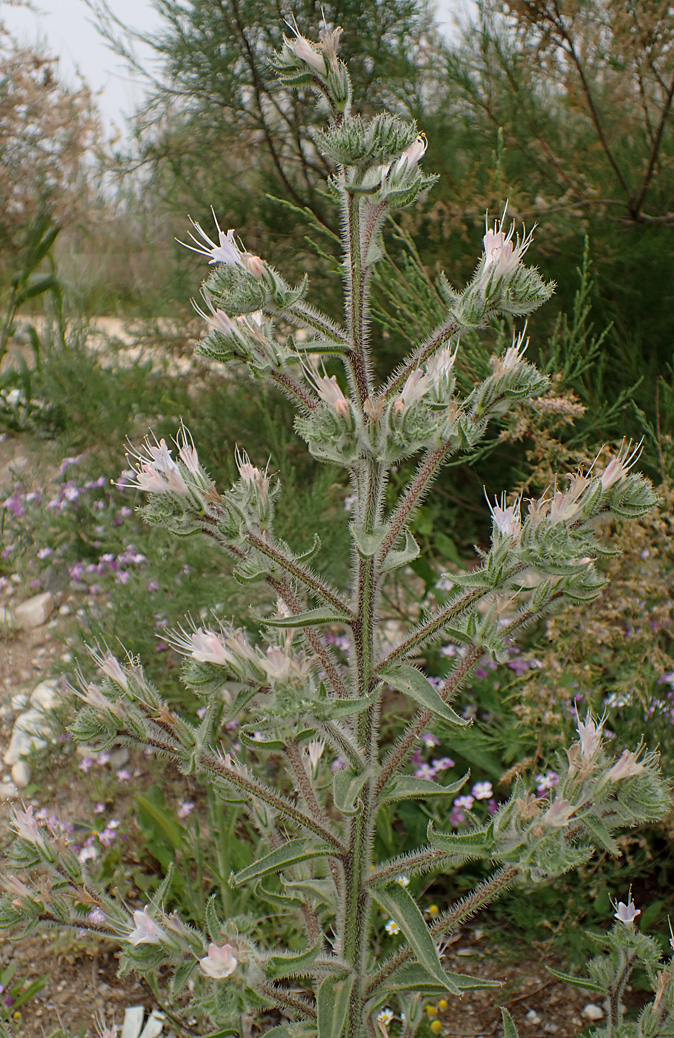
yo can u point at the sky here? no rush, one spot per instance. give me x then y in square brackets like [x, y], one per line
[66, 26]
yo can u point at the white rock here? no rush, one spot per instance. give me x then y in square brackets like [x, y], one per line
[8, 790]
[532, 1017]
[19, 702]
[34, 611]
[21, 774]
[593, 1012]
[7, 619]
[27, 734]
[133, 1021]
[154, 1026]
[120, 757]
[65, 610]
[45, 695]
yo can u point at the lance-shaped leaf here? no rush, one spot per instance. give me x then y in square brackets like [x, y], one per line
[276, 898]
[406, 787]
[403, 909]
[311, 618]
[289, 965]
[577, 982]
[243, 696]
[291, 853]
[395, 559]
[415, 978]
[411, 682]
[600, 834]
[509, 1029]
[331, 707]
[345, 789]
[477, 843]
[333, 1005]
[321, 891]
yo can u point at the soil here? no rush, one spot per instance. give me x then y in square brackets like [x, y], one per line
[83, 981]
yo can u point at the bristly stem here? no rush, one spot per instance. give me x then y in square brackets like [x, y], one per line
[436, 339]
[300, 572]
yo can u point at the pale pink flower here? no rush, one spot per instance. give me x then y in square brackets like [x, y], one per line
[146, 930]
[416, 387]
[510, 360]
[411, 156]
[220, 961]
[626, 913]
[618, 467]
[558, 814]
[156, 471]
[277, 664]
[253, 264]
[562, 507]
[306, 52]
[627, 766]
[110, 666]
[440, 366]
[26, 827]
[226, 250]
[501, 253]
[207, 647]
[482, 790]
[329, 390]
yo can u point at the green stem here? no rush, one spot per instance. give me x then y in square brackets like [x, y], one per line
[438, 338]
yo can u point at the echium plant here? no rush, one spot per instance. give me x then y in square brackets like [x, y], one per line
[295, 701]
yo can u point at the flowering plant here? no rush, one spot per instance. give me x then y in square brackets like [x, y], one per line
[295, 700]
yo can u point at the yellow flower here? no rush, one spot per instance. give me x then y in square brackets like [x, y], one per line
[443, 1004]
[431, 1010]
[433, 910]
[436, 1026]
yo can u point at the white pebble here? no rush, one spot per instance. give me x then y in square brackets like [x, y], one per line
[532, 1017]
[593, 1012]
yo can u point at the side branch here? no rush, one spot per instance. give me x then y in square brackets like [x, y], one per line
[293, 389]
[444, 332]
[301, 573]
[418, 487]
[408, 740]
[432, 626]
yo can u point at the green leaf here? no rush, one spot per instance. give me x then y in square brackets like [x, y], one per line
[368, 544]
[312, 618]
[446, 546]
[37, 286]
[409, 553]
[411, 682]
[333, 1005]
[577, 982]
[477, 843]
[27, 993]
[242, 697]
[272, 745]
[289, 965]
[333, 707]
[181, 976]
[321, 891]
[345, 789]
[403, 909]
[509, 1029]
[406, 787]
[599, 831]
[291, 853]
[158, 821]
[276, 898]
[415, 978]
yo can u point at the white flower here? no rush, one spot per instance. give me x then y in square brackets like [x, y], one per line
[315, 752]
[403, 880]
[392, 927]
[590, 736]
[220, 961]
[506, 520]
[110, 666]
[627, 913]
[501, 254]
[146, 930]
[416, 386]
[626, 767]
[155, 470]
[385, 1017]
[226, 251]
[277, 664]
[440, 366]
[510, 360]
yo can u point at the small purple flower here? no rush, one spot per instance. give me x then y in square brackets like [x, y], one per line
[123, 774]
[153, 585]
[185, 808]
[627, 913]
[464, 802]
[482, 790]
[86, 764]
[442, 763]
[430, 740]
